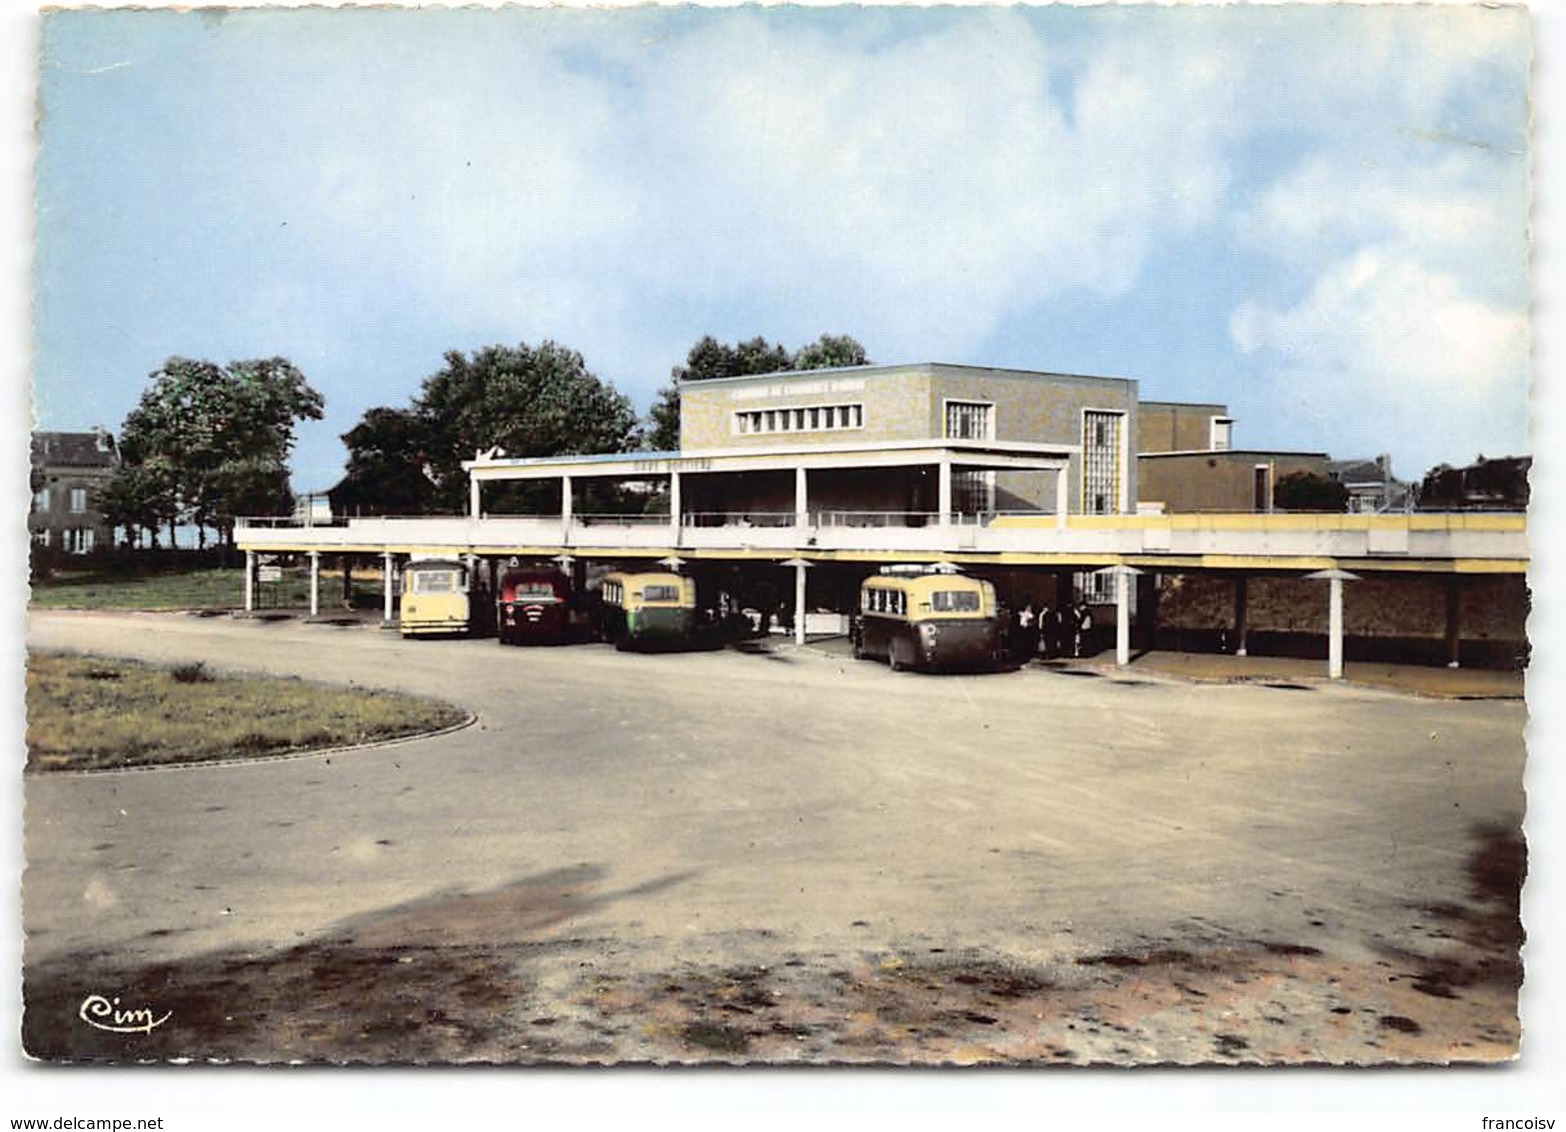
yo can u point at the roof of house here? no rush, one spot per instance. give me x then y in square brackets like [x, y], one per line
[74, 449]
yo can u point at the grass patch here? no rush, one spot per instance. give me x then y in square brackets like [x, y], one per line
[214, 588]
[93, 712]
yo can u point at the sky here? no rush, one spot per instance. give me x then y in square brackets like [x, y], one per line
[1317, 215]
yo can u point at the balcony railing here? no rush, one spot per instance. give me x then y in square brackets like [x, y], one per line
[1298, 536]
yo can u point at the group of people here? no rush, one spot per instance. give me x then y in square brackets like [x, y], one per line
[1065, 631]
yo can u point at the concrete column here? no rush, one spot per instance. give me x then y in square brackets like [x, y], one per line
[1147, 609]
[799, 602]
[1241, 612]
[801, 498]
[347, 564]
[1454, 628]
[1123, 618]
[315, 583]
[387, 566]
[475, 499]
[1062, 496]
[674, 505]
[943, 493]
[1335, 629]
[565, 501]
[250, 581]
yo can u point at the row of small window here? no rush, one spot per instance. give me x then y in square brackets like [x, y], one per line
[43, 498]
[78, 540]
[816, 418]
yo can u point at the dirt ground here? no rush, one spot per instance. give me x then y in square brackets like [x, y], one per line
[1164, 875]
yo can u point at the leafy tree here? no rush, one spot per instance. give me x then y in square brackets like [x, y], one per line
[523, 400]
[207, 443]
[140, 497]
[1493, 485]
[388, 462]
[831, 351]
[709, 358]
[1307, 491]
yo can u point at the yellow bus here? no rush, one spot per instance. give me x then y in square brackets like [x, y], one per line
[914, 617]
[645, 609]
[434, 598]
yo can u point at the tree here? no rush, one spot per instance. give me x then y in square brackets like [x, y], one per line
[1307, 491]
[388, 461]
[709, 359]
[522, 400]
[1487, 484]
[207, 443]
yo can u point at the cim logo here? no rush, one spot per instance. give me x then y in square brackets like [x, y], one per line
[105, 1014]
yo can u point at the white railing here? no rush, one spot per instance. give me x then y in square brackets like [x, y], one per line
[1286, 537]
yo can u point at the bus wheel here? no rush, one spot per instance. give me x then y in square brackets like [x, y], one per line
[893, 661]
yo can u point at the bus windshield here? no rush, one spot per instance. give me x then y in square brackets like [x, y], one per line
[535, 591]
[954, 601]
[435, 581]
[661, 593]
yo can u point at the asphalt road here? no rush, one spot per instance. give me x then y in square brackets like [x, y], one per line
[707, 812]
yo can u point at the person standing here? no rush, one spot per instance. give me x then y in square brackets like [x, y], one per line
[1028, 625]
[1084, 628]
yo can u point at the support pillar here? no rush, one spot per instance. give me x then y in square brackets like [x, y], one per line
[475, 497]
[315, 583]
[943, 493]
[1241, 612]
[1335, 629]
[799, 602]
[1123, 617]
[1454, 629]
[565, 501]
[801, 498]
[1147, 610]
[250, 581]
[1335, 579]
[1062, 496]
[674, 506]
[387, 569]
[347, 565]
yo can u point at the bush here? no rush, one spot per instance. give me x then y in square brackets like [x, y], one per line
[1307, 491]
[194, 673]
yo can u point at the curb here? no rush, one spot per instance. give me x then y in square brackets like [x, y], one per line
[279, 757]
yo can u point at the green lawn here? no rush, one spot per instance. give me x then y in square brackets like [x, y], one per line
[91, 712]
[213, 588]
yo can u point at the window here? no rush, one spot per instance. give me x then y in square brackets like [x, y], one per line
[969, 420]
[41, 500]
[78, 500]
[973, 493]
[814, 418]
[954, 601]
[893, 602]
[661, 593]
[1101, 433]
[436, 581]
[1222, 434]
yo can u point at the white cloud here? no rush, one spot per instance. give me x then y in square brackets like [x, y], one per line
[1399, 359]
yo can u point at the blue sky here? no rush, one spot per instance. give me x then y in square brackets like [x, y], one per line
[1316, 215]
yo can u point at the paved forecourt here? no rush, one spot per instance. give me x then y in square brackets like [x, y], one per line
[689, 799]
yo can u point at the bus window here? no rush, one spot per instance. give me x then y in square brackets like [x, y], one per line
[434, 581]
[661, 593]
[955, 601]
